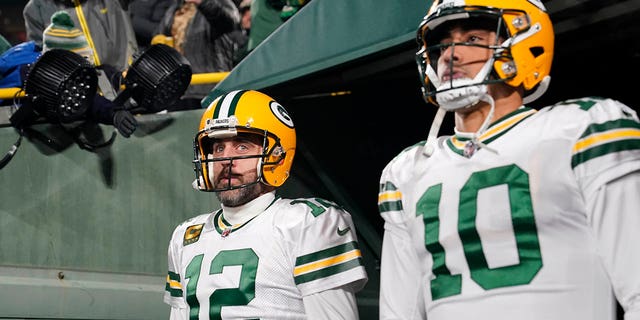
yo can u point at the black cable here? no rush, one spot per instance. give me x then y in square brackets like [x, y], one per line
[12, 151]
[14, 148]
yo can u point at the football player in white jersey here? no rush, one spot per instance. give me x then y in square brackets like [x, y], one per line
[520, 214]
[260, 256]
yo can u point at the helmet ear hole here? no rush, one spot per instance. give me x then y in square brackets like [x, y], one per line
[536, 51]
[277, 151]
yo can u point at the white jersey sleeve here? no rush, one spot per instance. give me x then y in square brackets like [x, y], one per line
[540, 224]
[606, 162]
[324, 244]
[174, 293]
[615, 221]
[179, 313]
[333, 304]
[400, 270]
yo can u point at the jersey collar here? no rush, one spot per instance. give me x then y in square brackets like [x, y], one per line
[242, 215]
[458, 144]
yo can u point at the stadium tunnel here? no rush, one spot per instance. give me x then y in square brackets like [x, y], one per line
[94, 225]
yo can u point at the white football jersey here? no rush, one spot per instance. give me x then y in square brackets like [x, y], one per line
[516, 229]
[261, 269]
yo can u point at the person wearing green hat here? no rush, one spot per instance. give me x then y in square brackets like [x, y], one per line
[63, 34]
[106, 25]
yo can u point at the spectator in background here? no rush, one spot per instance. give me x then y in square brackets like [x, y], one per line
[201, 31]
[105, 23]
[245, 15]
[290, 8]
[241, 36]
[268, 15]
[14, 64]
[62, 34]
[145, 17]
[265, 18]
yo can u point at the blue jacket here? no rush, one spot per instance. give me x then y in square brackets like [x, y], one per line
[14, 61]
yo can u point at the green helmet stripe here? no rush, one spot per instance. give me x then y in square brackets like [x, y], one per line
[216, 109]
[234, 102]
[227, 104]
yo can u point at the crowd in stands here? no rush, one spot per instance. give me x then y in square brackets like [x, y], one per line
[213, 35]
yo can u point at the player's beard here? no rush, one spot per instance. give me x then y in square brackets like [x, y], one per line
[238, 197]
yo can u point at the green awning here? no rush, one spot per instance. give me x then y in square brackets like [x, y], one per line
[325, 33]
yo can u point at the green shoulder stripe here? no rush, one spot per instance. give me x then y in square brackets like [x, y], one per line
[328, 262]
[171, 277]
[389, 198]
[604, 138]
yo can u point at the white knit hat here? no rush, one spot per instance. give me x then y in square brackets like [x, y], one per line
[62, 34]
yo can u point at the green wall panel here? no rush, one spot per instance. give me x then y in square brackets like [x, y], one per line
[100, 218]
[84, 233]
[109, 210]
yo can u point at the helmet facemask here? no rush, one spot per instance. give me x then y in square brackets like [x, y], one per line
[520, 56]
[454, 94]
[204, 159]
[522, 60]
[245, 112]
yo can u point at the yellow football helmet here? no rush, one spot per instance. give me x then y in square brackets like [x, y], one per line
[523, 58]
[246, 111]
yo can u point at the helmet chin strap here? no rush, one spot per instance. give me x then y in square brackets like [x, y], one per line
[433, 131]
[259, 170]
[539, 91]
[475, 136]
[196, 185]
[465, 93]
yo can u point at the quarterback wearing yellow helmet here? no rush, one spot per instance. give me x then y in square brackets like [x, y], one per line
[260, 256]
